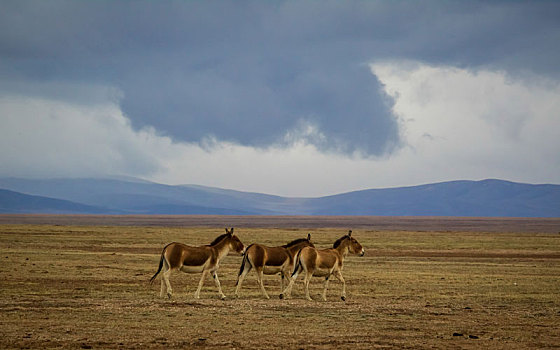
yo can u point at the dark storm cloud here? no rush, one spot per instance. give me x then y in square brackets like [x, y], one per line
[250, 72]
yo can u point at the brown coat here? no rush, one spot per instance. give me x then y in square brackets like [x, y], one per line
[270, 261]
[324, 263]
[202, 259]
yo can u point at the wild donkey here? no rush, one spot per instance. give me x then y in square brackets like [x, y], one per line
[325, 263]
[203, 259]
[270, 261]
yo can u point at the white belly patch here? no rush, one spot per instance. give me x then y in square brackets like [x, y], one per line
[271, 270]
[192, 269]
[322, 272]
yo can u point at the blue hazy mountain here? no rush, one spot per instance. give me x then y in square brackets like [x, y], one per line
[456, 198]
[15, 202]
[132, 196]
[487, 198]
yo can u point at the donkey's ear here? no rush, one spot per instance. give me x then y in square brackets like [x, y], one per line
[350, 233]
[231, 231]
[227, 231]
[309, 236]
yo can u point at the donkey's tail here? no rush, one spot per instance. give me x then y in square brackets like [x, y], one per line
[160, 265]
[297, 265]
[243, 262]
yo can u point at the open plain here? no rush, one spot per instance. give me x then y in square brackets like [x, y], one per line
[83, 282]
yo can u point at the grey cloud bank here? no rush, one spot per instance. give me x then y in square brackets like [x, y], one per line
[249, 72]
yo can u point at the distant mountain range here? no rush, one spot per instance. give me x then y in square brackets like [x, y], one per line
[486, 198]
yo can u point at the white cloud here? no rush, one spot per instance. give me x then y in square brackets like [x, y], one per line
[464, 124]
[454, 124]
[43, 137]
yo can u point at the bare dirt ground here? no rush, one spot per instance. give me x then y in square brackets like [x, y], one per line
[85, 285]
[397, 223]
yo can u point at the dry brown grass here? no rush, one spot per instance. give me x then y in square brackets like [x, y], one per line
[87, 287]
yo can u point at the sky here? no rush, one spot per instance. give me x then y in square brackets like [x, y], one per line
[295, 98]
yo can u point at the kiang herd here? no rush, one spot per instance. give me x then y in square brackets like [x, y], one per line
[290, 260]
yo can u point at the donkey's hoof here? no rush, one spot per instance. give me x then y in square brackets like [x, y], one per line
[168, 295]
[281, 296]
[223, 297]
[343, 298]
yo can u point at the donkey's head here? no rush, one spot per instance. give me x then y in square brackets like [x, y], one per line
[355, 246]
[235, 242]
[350, 243]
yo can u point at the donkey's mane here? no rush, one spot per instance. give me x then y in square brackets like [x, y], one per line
[294, 242]
[338, 241]
[218, 239]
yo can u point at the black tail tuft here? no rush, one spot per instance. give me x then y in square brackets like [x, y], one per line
[158, 271]
[297, 265]
[160, 265]
[243, 262]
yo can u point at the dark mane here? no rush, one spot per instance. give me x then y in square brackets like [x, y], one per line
[218, 239]
[338, 241]
[294, 242]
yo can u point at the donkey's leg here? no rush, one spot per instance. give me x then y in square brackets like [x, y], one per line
[163, 288]
[282, 277]
[325, 288]
[286, 293]
[241, 278]
[285, 276]
[165, 279]
[217, 281]
[308, 275]
[197, 293]
[260, 280]
[338, 275]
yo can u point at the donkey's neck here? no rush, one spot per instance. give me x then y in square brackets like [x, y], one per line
[343, 249]
[222, 248]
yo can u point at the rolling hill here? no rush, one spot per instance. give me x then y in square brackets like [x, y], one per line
[486, 198]
[15, 202]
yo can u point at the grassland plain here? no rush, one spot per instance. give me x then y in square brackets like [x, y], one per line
[87, 287]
